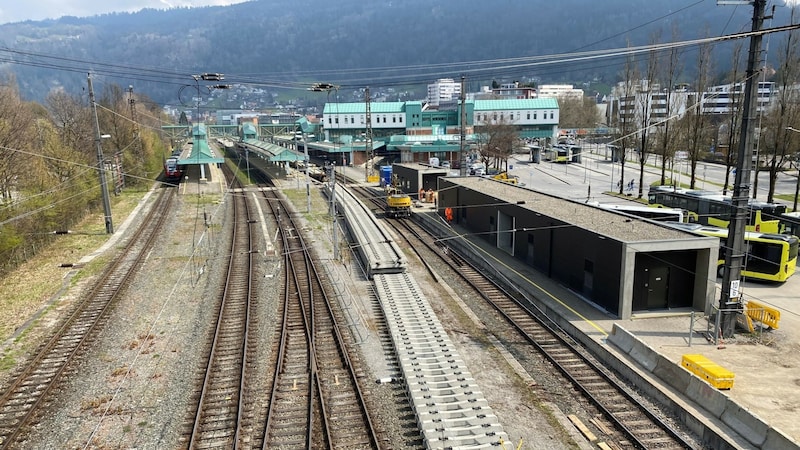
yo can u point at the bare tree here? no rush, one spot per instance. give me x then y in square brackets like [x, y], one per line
[578, 112]
[644, 106]
[774, 133]
[73, 120]
[697, 134]
[669, 78]
[624, 123]
[728, 132]
[15, 123]
[499, 138]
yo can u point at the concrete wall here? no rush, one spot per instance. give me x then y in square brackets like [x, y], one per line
[757, 433]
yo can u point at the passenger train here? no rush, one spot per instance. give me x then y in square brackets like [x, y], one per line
[172, 171]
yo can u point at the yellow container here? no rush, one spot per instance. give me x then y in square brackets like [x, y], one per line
[714, 374]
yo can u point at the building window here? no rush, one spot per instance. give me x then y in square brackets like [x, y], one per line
[529, 116]
[551, 115]
[534, 116]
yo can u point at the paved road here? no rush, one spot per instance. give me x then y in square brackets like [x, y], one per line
[597, 174]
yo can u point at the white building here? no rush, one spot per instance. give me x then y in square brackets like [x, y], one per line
[444, 90]
[726, 99]
[559, 91]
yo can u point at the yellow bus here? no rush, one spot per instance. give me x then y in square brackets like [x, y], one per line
[768, 257]
[713, 209]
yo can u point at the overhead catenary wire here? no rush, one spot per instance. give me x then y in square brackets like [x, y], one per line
[400, 74]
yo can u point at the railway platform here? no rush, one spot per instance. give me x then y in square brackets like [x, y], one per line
[209, 180]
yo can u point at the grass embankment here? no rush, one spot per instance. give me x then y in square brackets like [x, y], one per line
[31, 291]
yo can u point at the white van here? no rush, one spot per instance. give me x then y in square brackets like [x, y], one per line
[475, 168]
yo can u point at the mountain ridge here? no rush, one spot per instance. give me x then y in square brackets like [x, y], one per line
[272, 42]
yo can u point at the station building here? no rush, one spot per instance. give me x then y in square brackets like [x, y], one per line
[623, 264]
[415, 132]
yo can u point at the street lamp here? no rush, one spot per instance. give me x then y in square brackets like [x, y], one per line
[328, 87]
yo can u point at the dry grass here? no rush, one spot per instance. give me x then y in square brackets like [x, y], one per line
[35, 287]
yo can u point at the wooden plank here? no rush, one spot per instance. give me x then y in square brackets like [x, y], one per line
[582, 428]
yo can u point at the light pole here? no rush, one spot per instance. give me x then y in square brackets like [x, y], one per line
[101, 163]
[308, 176]
[333, 211]
[797, 183]
[328, 87]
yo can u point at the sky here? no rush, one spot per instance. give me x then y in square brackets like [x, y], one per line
[17, 11]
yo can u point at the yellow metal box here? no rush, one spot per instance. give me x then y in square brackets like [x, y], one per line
[714, 374]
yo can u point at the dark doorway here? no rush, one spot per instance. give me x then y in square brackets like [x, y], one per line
[658, 288]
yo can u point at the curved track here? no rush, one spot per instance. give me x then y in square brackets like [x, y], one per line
[22, 400]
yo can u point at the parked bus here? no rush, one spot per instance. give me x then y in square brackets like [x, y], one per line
[657, 213]
[563, 153]
[768, 257]
[557, 153]
[790, 223]
[714, 210]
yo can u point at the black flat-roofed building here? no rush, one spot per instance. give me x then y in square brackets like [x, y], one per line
[621, 263]
[413, 177]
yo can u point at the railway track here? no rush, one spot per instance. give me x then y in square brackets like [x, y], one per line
[316, 400]
[222, 408]
[619, 416]
[23, 399]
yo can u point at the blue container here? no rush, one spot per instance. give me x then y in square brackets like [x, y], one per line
[386, 175]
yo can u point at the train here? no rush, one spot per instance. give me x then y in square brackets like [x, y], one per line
[172, 171]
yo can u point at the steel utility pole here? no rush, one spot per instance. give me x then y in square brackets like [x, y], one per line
[308, 176]
[328, 87]
[730, 296]
[368, 137]
[100, 162]
[462, 157]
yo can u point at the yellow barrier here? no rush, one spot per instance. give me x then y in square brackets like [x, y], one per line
[714, 374]
[763, 313]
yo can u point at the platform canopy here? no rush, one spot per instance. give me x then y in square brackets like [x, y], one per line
[272, 152]
[201, 152]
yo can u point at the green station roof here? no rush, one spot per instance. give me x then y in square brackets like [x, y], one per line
[201, 153]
